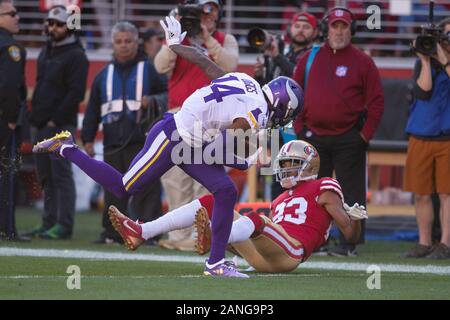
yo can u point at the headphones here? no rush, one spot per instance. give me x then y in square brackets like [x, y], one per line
[46, 31]
[324, 21]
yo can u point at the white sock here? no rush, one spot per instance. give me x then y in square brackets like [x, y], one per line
[179, 218]
[241, 230]
[214, 264]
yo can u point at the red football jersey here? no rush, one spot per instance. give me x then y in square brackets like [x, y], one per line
[298, 212]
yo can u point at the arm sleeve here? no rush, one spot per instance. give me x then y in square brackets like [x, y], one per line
[92, 116]
[165, 60]
[76, 87]
[226, 57]
[374, 99]
[418, 93]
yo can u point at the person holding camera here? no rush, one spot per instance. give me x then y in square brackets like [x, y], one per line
[200, 19]
[278, 60]
[62, 70]
[344, 103]
[120, 100]
[428, 162]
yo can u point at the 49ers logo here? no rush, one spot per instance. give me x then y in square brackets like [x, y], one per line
[310, 150]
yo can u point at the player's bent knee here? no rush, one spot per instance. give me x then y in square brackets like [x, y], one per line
[226, 193]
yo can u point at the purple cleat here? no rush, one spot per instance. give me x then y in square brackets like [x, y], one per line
[226, 269]
[55, 143]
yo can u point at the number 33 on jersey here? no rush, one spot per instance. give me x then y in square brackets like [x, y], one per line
[298, 212]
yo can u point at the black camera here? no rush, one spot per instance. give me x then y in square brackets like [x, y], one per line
[259, 39]
[190, 18]
[431, 35]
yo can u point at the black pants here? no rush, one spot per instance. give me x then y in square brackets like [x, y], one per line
[56, 178]
[9, 167]
[145, 205]
[346, 155]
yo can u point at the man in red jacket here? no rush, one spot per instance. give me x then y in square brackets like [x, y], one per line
[184, 78]
[343, 107]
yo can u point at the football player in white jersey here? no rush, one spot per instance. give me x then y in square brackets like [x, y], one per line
[232, 101]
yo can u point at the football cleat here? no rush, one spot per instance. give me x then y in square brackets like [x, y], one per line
[203, 241]
[54, 143]
[130, 231]
[226, 269]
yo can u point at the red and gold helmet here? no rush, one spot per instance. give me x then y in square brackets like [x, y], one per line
[304, 163]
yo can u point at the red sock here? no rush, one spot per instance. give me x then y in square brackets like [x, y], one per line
[207, 202]
[257, 221]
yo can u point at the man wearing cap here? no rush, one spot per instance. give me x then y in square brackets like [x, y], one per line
[62, 69]
[280, 60]
[344, 104]
[152, 42]
[301, 32]
[12, 97]
[184, 79]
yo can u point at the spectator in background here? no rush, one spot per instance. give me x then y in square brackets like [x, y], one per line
[62, 70]
[152, 39]
[343, 106]
[428, 161]
[280, 61]
[184, 79]
[12, 106]
[117, 101]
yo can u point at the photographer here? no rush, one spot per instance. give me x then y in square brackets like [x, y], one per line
[301, 31]
[200, 21]
[427, 164]
[280, 61]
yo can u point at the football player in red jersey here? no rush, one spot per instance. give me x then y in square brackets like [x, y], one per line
[299, 223]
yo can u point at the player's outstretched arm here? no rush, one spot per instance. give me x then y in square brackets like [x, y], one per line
[351, 229]
[174, 38]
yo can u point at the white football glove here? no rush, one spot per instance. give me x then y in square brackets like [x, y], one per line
[172, 28]
[356, 212]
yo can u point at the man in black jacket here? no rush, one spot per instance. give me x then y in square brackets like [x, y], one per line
[12, 97]
[62, 70]
[123, 98]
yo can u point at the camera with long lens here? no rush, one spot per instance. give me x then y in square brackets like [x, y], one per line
[259, 39]
[431, 35]
[190, 18]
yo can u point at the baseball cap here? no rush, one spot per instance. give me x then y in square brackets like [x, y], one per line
[58, 13]
[304, 16]
[340, 15]
[150, 33]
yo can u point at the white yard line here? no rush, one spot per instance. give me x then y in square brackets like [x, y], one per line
[100, 255]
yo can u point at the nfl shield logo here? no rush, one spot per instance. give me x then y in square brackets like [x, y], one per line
[341, 71]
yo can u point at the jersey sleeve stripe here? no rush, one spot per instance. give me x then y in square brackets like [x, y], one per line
[337, 190]
[332, 182]
[252, 118]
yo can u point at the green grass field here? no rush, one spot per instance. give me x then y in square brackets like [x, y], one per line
[110, 272]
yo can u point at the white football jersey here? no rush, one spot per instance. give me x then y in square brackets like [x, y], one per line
[213, 108]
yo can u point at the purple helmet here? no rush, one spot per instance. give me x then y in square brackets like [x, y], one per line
[286, 99]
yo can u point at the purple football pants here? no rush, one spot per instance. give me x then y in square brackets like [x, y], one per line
[151, 163]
